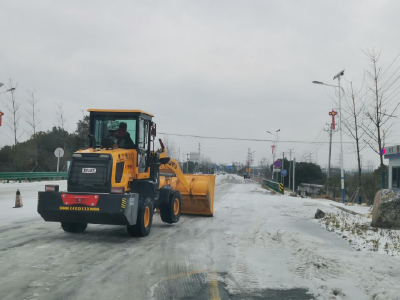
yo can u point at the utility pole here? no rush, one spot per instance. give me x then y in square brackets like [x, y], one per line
[252, 160]
[248, 160]
[332, 113]
[290, 163]
[330, 150]
[274, 148]
[187, 163]
[273, 160]
[294, 172]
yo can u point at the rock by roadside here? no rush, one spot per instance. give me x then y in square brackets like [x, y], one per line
[319, 214]
[386, 210]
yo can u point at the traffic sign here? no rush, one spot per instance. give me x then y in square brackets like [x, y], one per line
[59, 152]
[281, 187]
[277, 164]
[284, 172]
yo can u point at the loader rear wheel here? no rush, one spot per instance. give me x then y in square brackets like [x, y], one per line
[74, 227]
[171, 211]
[144, 219]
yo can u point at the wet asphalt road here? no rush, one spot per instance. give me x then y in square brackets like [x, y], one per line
[182, 261]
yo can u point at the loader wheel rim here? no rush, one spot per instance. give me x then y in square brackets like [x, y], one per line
[176, 206]
[146, 216]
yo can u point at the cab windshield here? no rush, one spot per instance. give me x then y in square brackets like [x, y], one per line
[111, 130]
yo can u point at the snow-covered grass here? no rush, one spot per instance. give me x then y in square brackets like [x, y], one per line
[357, 230]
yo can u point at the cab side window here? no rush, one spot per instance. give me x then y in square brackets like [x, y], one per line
[142, 144]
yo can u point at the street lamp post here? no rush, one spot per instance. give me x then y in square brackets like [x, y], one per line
[9, 90]
[338, 76]
[275, 148]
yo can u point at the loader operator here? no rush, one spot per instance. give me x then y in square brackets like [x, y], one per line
[123, 137]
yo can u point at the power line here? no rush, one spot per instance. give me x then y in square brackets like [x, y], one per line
[241, 139]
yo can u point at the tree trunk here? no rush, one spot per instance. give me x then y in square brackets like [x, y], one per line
[378, 123]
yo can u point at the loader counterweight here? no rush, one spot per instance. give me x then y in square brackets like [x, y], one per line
[110, 209]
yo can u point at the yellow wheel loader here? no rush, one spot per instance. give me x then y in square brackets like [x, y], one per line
[121, 179]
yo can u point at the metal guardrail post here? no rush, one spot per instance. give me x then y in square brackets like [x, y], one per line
[275, 186]
[19, 176]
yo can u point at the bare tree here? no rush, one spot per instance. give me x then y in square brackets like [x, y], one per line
[353, 121]
[32, 112]
[61, 120]
[33, 122]
[13, 107]
[382, 101]
[171, 148]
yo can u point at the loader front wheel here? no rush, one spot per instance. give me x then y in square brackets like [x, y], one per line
[171, 211]
[144, 219]
[73, 227]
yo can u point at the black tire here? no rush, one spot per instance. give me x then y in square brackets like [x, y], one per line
[169, 211]
[74, 227]
[141, 229]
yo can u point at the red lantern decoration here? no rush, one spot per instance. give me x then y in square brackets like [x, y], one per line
[333, 113]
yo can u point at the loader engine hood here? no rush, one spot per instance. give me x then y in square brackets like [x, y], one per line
[90, 172]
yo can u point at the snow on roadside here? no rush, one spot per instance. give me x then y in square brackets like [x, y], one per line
[376, 275]
[330, 274]
[219, 178]
[29, 192]
[329, 271]
[357, 230]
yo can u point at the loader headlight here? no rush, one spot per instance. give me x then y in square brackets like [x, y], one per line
[76, 155]
[117, 190]
[51, 188]
[104, 156]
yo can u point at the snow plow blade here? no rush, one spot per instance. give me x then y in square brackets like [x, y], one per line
[113, 209]
[200, 199]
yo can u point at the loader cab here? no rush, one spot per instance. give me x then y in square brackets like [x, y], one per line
[106, 132]
[119, 152]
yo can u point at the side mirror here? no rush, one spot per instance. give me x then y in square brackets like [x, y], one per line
[92, 141]
[165, 160]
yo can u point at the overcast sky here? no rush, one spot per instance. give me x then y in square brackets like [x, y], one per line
[211, 68]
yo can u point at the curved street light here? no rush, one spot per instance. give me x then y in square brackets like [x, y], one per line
[337, 76]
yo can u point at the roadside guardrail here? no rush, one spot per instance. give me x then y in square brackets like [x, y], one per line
[30, 176]
[273, 185]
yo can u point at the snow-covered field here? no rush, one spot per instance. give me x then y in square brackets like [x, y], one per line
[255, 243]
[29, 193]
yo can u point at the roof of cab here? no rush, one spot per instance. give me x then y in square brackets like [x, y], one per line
[120, 111]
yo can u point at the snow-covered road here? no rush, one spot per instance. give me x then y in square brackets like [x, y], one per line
[257, 246]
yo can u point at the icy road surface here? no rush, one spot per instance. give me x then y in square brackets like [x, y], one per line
[257, 246]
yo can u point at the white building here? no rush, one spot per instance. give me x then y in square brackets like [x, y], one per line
[393, 154]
